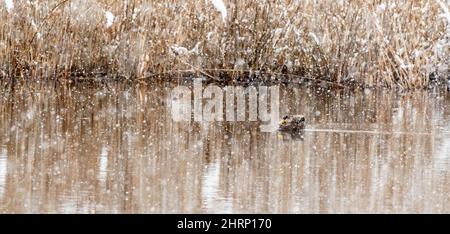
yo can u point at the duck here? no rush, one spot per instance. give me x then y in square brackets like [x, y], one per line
[292, 124]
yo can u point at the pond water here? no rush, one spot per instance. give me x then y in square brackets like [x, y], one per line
[116, 149]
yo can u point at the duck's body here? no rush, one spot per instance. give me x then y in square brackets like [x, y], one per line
[293, 123]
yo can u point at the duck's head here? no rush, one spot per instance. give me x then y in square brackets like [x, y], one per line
[284, 121]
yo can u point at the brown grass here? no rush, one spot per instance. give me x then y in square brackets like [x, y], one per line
[346, 42]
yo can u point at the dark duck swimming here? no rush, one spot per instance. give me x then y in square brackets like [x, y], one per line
[294, 123]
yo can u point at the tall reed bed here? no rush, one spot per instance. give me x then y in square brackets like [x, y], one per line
[350, 42]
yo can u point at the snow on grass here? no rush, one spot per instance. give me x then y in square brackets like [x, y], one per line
[109, 19]
[220, 6]
[9, 5]
[446, 13]
[178, 50]
[35, 27]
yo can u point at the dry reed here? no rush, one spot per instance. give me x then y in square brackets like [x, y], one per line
[370, 43]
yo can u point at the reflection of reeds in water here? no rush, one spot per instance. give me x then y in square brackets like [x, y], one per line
[75, 150]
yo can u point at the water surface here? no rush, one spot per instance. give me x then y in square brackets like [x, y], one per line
[117, 150]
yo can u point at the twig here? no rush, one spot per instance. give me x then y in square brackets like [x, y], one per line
[44, 20]
[196, 69]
